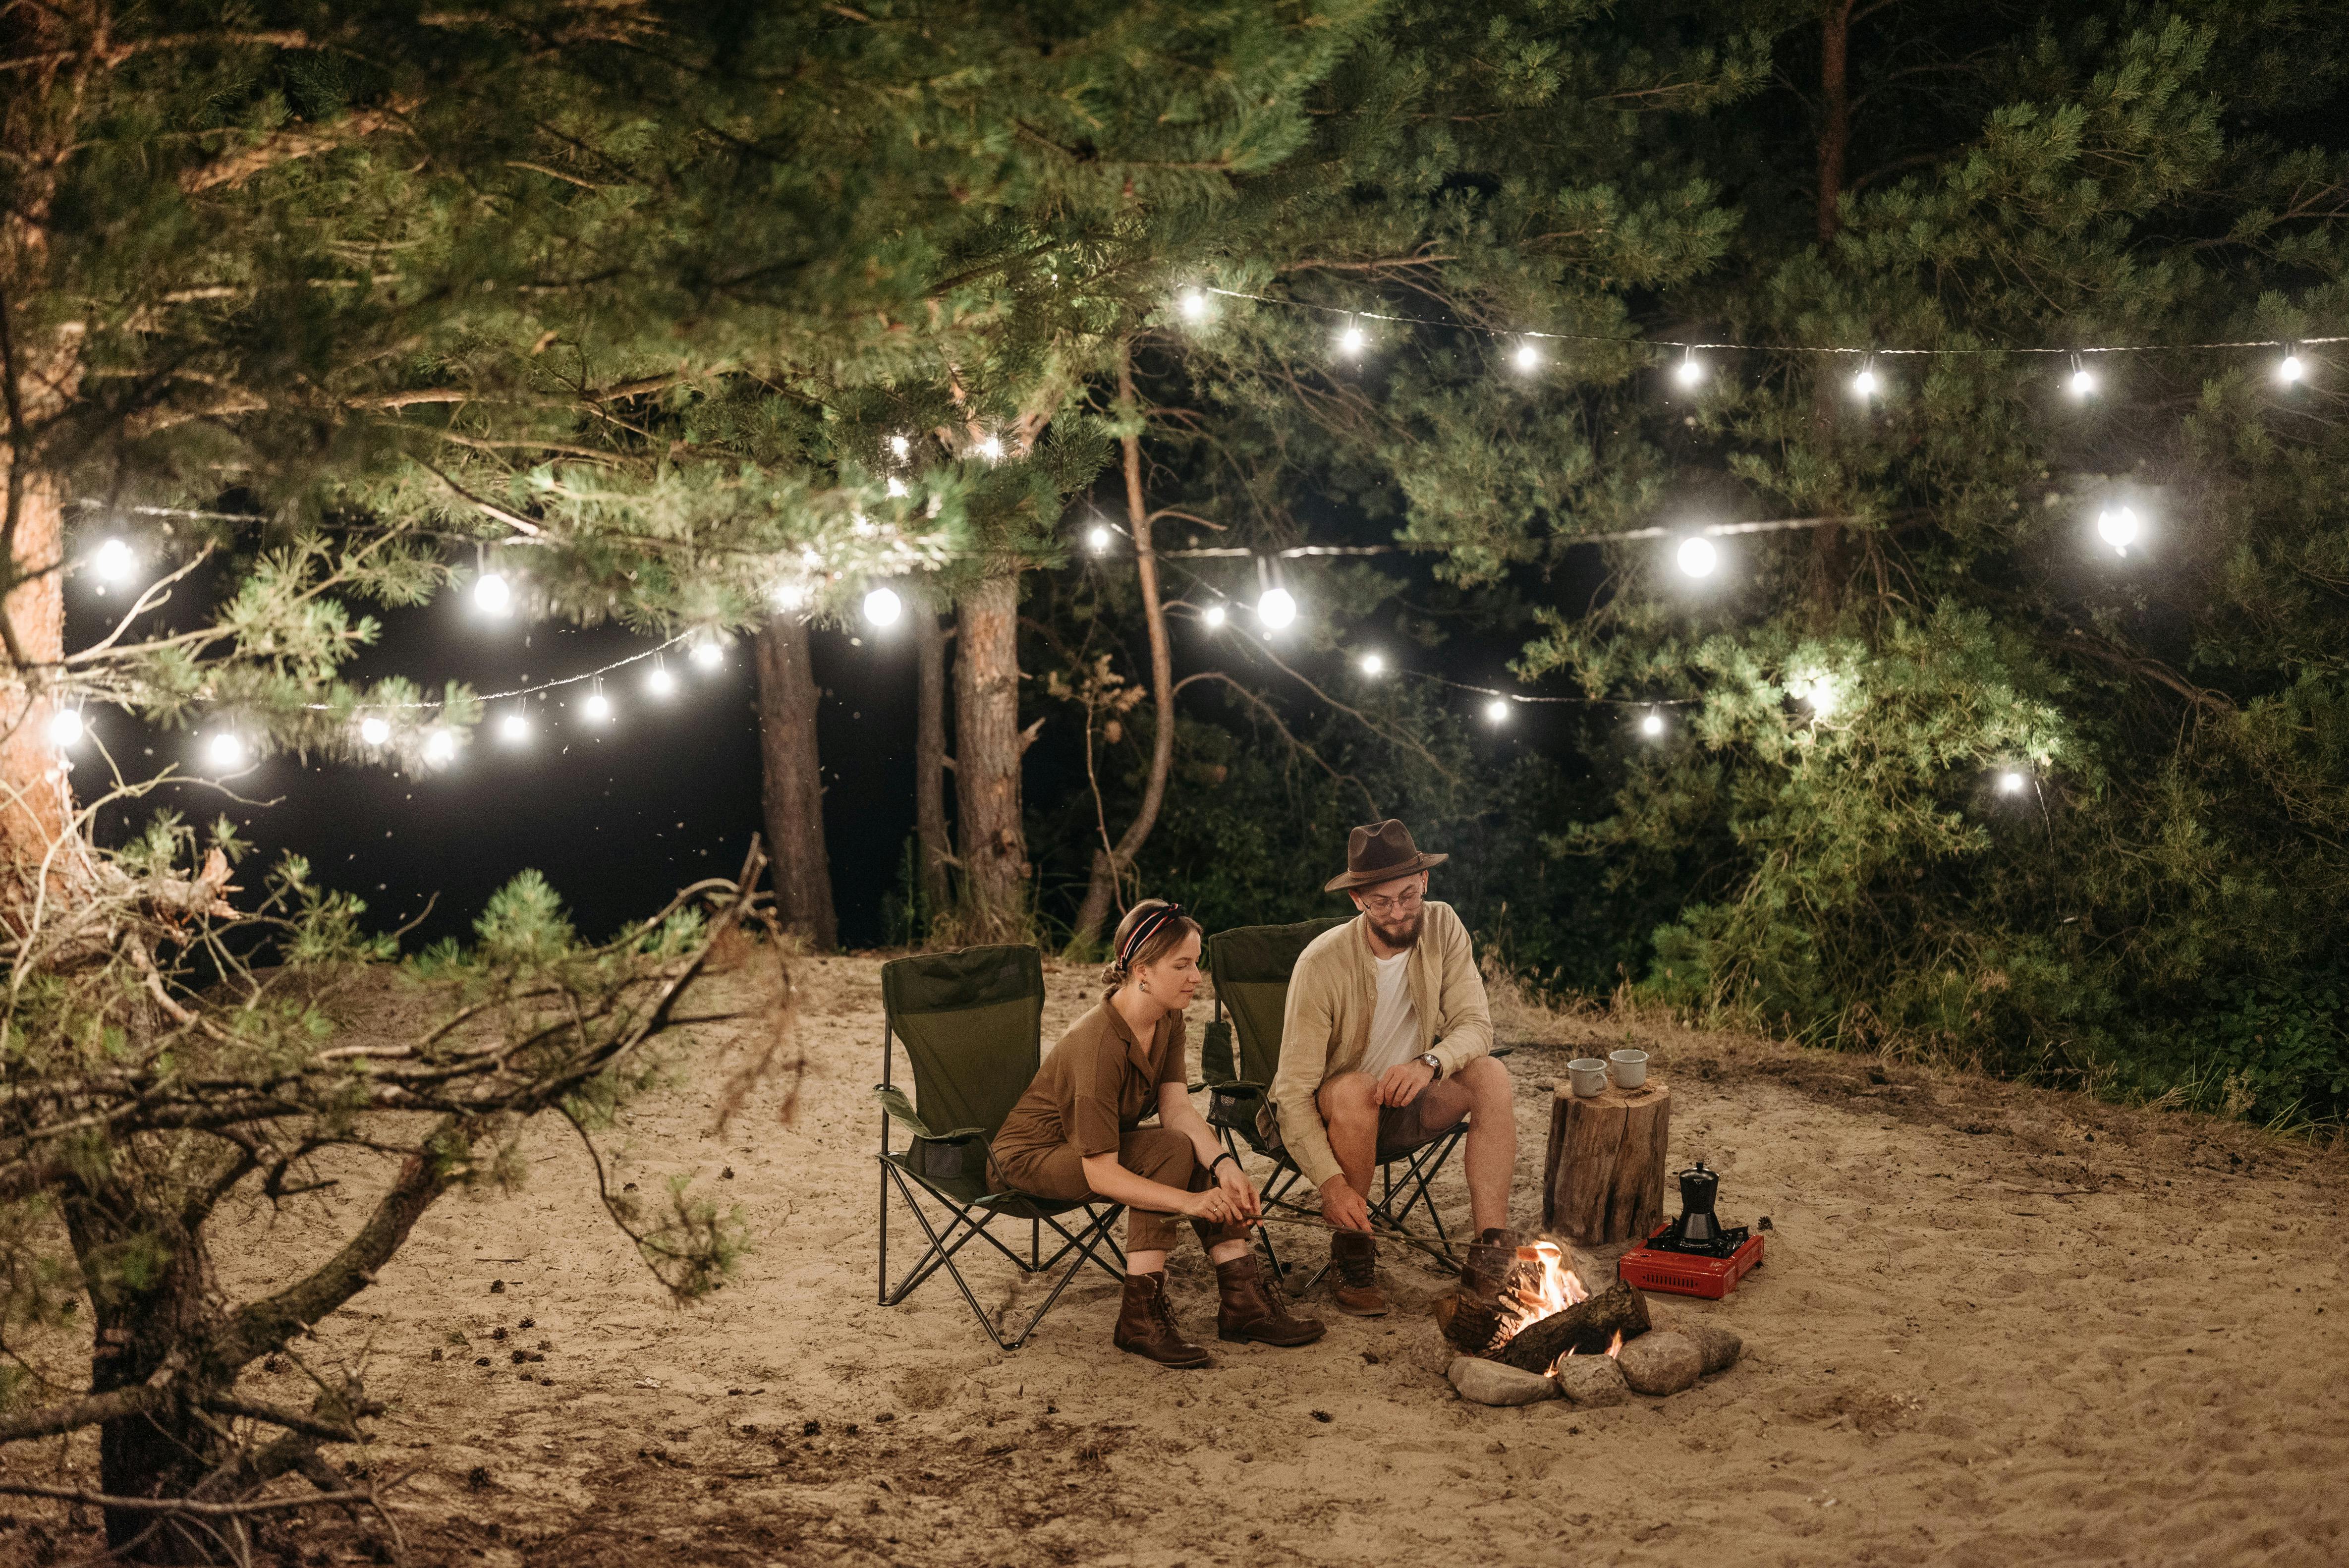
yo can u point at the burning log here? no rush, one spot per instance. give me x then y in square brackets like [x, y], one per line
[1604, 1180]
[1587, 1327]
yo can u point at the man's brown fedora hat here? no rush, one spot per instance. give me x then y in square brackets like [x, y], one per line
[1380, 853]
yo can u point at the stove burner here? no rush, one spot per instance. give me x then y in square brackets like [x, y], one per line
[1698, 1230]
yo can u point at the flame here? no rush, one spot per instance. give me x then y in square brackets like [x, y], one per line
[1539, 1284]
[1615, 1348]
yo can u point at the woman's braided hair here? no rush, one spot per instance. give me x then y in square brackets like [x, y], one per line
[1150, 931]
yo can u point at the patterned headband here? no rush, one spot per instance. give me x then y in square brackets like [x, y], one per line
[1150, 923]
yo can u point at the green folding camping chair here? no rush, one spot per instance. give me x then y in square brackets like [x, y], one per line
[972, 1021]
[1251, 965]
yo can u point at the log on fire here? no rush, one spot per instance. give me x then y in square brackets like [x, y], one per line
[1587, 1329]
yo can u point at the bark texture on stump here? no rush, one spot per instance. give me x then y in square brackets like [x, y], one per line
[791, 782]
[987, 751]
[1604, 1180]
[933, 851]
[1587, 1329]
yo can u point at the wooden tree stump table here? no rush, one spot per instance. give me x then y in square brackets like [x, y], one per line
[1605, 1177]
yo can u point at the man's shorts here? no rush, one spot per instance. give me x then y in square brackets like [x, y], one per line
[1402, 1128]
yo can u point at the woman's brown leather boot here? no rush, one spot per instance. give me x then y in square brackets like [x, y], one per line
[1253, 1307]
[1145, 1324]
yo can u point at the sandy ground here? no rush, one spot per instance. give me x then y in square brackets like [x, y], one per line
[1996, 1326]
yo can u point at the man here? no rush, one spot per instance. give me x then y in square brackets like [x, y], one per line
[1385, 1048]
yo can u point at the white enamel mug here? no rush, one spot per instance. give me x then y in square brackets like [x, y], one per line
[1588, 1075]
[1628, 1068]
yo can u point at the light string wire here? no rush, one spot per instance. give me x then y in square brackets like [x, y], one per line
[491, 696]
[1689, 344]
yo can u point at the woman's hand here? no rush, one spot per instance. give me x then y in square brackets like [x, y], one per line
[1214, 1205]
[1239, 1189]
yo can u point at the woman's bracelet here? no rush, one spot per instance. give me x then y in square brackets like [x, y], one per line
[1219, 1158]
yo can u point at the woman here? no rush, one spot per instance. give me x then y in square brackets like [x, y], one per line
[1077, 1133]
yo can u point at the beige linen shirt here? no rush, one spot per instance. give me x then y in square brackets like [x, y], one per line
[1325, 1029]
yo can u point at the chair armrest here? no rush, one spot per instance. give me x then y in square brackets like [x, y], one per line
[901, 1111]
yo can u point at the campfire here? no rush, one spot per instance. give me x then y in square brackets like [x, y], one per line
[1540, 1285]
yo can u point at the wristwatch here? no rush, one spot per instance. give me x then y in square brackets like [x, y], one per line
[1434, 1063]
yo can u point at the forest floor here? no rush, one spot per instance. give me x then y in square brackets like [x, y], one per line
[1997, 1325]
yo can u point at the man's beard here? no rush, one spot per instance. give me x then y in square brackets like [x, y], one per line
[1398, 932]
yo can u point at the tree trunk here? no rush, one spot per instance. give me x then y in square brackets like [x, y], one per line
[1604, 1178]
[792, 783]
[1835, 111]
[35, 807]
[1110, 866]
[933, 850]
[988, 750]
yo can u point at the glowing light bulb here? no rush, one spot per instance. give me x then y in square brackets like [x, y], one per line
[1496, 711]
[991, 447]
[1193, 306]
[1528, 357]
[224, 750]
[64, 728]
[709, 654]
[1374, 664]
[114, 561]
[1867, 384]
[2083, 381]
[2291, 370]
[1213, 617]
[374, 732]
[791, 596]
[2012, 783]
[597, 707]
[899, 446]
[441, 748]
[1653, 725]
[660, 683]
[513, 727]
[1276, 609]
[1819, 693]
[882, 608]
[1690, 371]
[1697, 557]
[1352, 340]
[2117, 526]
[1098, 536]
[493, 594]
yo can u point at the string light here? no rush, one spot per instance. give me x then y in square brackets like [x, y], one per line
[2083, 380]
[1276, 608]
[1696, 556]
[441, 748]
[1496, 711]
[791, 596]
[2291, 370]
[597, 707]
[1098, 536]
[1867, 384]
[707, 654]
[1690, 371]
[114, 561]
[1213, 617]
[1351, 340]
[1653, 725]
[1529, 358]
[1374, 665]
[224, 750]
[659, 682]
[65, 727]
[374, 732]
[1193, 305]
[492, 595]
[515, 728]
[882, 608]
[2012, 783]
[2117, 526]
[1817, 692]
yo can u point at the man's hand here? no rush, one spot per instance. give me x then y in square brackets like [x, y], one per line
[1400, 1084]
[1344, 1207]
[1235, 1186]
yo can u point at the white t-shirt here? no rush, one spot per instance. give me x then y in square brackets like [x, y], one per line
[1394, 1021]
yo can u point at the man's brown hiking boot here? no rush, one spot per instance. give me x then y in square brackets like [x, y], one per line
[1476, 1315]
[1354, 1259]
[1145, 1324]
[1254, 1307]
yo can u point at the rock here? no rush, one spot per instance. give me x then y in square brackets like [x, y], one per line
[1490, 1383]
[1718, 1346]
[1663, 1362]
[1591, 1380]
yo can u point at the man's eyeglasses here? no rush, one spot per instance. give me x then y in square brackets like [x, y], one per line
[1405, 901]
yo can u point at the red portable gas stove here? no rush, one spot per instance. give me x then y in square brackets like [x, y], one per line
[1694, 1256]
